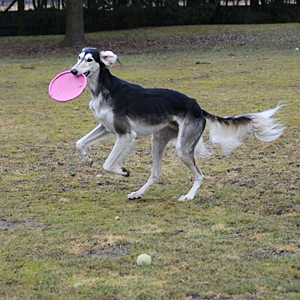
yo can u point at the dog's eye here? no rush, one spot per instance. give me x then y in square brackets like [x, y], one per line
[89, 59]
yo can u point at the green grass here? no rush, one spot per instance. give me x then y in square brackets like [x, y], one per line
[238, 239]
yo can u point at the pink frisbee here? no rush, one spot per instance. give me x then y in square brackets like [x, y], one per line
[66, 86]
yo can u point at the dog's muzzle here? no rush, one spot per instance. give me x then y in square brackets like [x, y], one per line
[75, 72]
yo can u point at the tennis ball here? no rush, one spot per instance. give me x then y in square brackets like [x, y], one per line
[144, 260]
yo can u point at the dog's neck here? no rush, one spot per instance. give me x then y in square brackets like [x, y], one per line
[94, 83]
[98, 81]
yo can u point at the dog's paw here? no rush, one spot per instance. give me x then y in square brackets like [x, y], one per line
[134, 195]
[185, 198]
[86, 160]
[126, 173]
[116, 169]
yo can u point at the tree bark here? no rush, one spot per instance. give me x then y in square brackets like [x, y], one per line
[74, 23]
[254, 5]
[21, 21]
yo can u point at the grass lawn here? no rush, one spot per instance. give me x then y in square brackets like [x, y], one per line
[238, 239]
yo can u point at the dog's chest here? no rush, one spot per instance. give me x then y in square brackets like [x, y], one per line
[103, 113]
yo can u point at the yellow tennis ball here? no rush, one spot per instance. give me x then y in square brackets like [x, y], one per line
[144, 260]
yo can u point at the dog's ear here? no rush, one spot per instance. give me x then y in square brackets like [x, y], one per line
[108, 58]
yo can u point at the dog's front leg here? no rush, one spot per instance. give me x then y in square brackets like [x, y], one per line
[95, 136]
[123, 146]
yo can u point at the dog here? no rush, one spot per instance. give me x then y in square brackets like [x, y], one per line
[131, 112]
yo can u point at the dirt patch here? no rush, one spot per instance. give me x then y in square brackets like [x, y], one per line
[131, 44]
[114, 252]
[4, 224]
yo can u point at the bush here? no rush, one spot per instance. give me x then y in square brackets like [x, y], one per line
[51, 21]
[171, 14]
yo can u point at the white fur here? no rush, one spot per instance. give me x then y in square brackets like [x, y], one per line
[108, 58]
[230, 137]
[265, 128]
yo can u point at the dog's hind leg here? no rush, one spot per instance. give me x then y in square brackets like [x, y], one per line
[190, 132]
[123, 146]
[159, 143]
[95, 136]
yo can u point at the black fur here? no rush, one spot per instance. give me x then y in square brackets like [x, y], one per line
[150, 105]
[239, 120]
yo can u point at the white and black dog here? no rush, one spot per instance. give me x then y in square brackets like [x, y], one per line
[131, 112]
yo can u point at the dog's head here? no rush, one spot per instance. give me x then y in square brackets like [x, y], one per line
[90, 61]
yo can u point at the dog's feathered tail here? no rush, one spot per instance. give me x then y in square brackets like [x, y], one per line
[228, 132]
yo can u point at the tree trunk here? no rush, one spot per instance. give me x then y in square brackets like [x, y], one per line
[21, 21]
[74, 23]
[254, 5]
